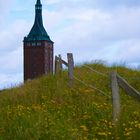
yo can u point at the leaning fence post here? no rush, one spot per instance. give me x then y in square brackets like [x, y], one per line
[128, 88]
[70, 68]
[115, 96]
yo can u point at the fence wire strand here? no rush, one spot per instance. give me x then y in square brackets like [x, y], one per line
[132, 78]
[95, 71]
[100, 91]
[106, 75]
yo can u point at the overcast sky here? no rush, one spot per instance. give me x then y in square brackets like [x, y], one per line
[108, 30]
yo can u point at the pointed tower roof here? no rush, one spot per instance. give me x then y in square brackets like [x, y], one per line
[38, 31]
[38, 2]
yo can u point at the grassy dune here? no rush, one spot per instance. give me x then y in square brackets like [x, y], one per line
[48, 109]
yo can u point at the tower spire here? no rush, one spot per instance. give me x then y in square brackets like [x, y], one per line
[38, 2]
[38, 48]
[38, 31]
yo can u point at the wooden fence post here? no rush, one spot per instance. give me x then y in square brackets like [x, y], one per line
[115, 96]
[58, 65]
[70, 68]
[55, 65]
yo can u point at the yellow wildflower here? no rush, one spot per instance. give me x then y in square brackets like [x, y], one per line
[84, 127]
[102, 134]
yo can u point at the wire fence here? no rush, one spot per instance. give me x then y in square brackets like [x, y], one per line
[115, 82]
[91, 86]
[106, 75]
[100, 73]
[132, 78]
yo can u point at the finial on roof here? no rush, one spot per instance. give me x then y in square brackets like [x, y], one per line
[38, 2]
[38, 31]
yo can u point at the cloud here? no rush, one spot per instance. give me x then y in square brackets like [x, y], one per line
[9, 80]
[11, 52]
[99, 29]
[14, 33]
[4, 9]
[99, 4]
[12, 62]
[131, 50]
[95, 33]
[114, 3]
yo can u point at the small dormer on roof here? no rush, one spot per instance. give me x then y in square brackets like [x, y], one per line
[38, 32]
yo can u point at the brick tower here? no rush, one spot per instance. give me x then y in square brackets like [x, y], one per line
[38, 48]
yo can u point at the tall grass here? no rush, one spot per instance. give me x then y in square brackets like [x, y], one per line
[48, 109]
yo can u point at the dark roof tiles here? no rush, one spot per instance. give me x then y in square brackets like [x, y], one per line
[38, 31]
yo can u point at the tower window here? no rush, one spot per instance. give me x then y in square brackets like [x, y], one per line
[34, 44]
[46, 43]
[38, 43]
[28, 44]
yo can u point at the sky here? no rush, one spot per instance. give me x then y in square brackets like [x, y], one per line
[107, 30]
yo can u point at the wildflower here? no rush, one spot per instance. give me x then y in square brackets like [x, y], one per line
[128, 133]
[88, 91]
[36, 107]
[136, 113]
[137, 125]
[126, 129]
[110, 125]
[105, 104]
[53, 101]
[84, 138]
[102, 134]
[123, 124]
[74, 130]
[109, 133]
[84, 127]
[44, 97]
[86, 117]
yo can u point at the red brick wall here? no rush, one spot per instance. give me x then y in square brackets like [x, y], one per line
[48, 58]
[38, 60]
